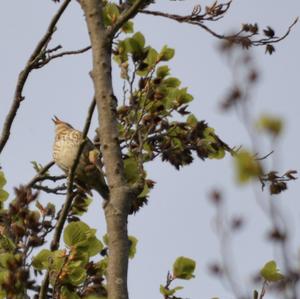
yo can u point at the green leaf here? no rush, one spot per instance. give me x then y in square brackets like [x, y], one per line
[76, 232]
[65, 293]
[58, 259]
[131, 170]
[139, 38]
[270, 124]
[270, 272]
[151, 58]
[172, 82]
[76, 274]
[132, 46]
[166, 292]
[183, 97]
[3, 195]
[163, 71]
[93, 246]
[6, 259]
[81, 236]
[145, 191]
[128, 27]
[246, 166]
[192, 120]
[42, 259]
[111, 13]
[184, 268]
[219, 154]
[166, 54]
[2, 179]
[6, 244]
[133, 243]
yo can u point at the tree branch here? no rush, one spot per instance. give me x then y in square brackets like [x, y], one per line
[40, 174]
[46, 60]
[126, 15]
[243, 37]
[120, 201]
[30, 65]
[69, 198]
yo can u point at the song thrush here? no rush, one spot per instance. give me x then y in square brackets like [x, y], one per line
[88, 172]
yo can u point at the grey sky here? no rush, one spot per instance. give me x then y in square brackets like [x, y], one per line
[178, 220]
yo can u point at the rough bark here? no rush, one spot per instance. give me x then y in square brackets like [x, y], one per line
[116, 211]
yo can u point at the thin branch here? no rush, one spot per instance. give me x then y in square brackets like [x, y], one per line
[125, 16]
[53, 178]
[68, 202]
[30, 65]
[69, 198]
[40, 174]
[56, 190]
[45, 61]
[264, 157]
[235, 38]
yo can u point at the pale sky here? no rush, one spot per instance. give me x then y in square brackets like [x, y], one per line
[179, 219]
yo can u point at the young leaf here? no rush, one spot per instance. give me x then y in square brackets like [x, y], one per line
[131, 170]
[163, 71]
[192, 120]
[128, 27]
[140, 39]
[75, 232]
[151, 58]
[184, 268]
[111, 13]
[172, 82]
[246, 166]
[166, 54]
[3, 195]
[2, 179]
[166, 292]
[133, 242]
[42, 259]
[76, 274]
[270, 272]
[270, 124]
[65, 293]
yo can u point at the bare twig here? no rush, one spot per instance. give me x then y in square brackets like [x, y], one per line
[69, 198]
[53, 178]
[56, 190]
[45, 61]
[40, 174]
[239, 38]
[263, 157]
[30, 65]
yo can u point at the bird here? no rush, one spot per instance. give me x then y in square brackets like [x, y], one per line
[88, 174]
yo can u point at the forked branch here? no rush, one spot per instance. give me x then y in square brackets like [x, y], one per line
[23, 76]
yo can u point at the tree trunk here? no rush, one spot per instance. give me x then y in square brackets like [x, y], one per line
[117, 209]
